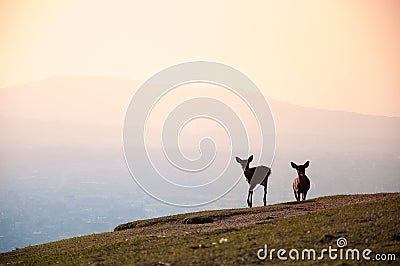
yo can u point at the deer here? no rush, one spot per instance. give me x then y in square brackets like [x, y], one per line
[301, 183]
[255, 176]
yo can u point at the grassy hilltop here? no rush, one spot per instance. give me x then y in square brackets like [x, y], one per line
[231, 237]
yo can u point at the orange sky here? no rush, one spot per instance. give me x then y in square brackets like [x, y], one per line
[341, 55]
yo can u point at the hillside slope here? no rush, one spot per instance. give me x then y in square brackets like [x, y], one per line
[233, 236]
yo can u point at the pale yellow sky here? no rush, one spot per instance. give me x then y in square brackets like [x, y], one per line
[341, 55]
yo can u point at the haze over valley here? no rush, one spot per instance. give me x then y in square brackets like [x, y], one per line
[63, 172]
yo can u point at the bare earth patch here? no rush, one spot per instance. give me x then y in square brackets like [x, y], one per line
[238, 218]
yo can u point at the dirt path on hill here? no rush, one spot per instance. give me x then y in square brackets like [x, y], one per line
[229, 219]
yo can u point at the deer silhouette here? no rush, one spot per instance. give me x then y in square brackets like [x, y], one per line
[255, 176]
[301, 184]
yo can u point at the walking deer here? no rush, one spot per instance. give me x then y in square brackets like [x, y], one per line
[255, 176]
[301, 184]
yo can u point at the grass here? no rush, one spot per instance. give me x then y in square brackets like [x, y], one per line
[172, 240]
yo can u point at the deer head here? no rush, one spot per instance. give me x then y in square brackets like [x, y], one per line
[301, 169]
[244, 163]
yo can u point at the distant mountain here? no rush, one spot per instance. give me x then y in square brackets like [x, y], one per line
[309, 128]
[68, 99]
[75, 105]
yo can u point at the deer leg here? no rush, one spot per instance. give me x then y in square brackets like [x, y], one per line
[265, 196]
[297, 195]
[249, 199]
[304, 195]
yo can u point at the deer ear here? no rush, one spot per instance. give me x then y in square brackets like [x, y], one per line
[250, 158]
[306, 164]
[293, 165]
[238, 159]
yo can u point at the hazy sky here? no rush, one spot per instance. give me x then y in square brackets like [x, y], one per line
[341, 55]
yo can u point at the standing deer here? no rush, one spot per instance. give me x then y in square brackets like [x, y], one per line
[301, 184]
[255, 176]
